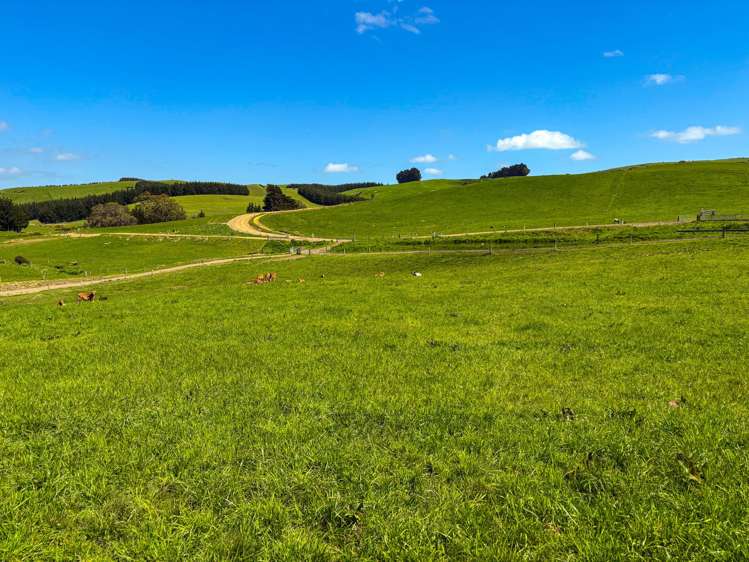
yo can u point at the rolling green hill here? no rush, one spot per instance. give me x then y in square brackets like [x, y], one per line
[49, 192]
[656, 192]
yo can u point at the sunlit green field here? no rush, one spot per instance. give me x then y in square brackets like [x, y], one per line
[496, 408]
[657, 192]
[45, 193]
[75, 258]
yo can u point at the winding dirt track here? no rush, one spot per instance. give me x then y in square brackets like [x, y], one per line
[17, 289]
[250, 224]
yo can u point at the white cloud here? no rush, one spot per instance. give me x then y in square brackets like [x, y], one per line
[433, 171]
[12, 171]
[661, 79]
[36, 150]
[343, 168]
[582, 155]
[695, 134]
[452, 157]
[542, 139]
[4, 126]
[67, 157]
[616, 53]
[425, 159]
[368, 21]
[426, 17]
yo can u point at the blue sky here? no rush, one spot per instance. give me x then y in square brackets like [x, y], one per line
[253, 91]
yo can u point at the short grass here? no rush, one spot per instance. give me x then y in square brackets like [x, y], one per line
[66, 258]
[658, 192]
[497, 408]
[552, 238]
[46, 193]
[221, 205]
[206, 226]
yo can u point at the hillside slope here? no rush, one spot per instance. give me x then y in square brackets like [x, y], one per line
[50, 192]
[656, 192]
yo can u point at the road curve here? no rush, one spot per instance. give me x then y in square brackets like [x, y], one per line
[250, 224]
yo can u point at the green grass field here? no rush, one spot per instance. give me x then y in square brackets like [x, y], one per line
[74, 258]
[513, 407]
[45, 193]
[658, 192]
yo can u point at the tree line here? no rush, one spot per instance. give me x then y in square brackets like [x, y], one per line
[277, 200]
[68, 210]
[12, 217]
[516, 170]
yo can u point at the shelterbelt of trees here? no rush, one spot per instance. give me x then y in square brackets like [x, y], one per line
[330, 195]
[67, 210]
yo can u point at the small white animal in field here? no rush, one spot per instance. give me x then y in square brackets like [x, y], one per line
[417, 274]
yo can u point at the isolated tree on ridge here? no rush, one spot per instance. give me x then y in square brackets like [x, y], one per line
[407, 176]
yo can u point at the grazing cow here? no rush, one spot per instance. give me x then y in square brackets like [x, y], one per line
[417, 274]
[266, 278]
[86, 297]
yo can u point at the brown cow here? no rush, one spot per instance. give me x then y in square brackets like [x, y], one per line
[266, 278]
[86, 297]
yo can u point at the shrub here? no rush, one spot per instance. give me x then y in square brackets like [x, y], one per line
[158, 208]
[201, 214]
[254, 208]
[12, 217]
[517, 170]
[20, 260]
[110, 214]
[277, 200]
[407, 176]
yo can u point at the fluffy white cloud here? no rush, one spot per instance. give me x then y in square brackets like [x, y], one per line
[12, 171]
[343, 168]
[613, 54]
[433, 171]
[695, 134]
[542, 139]
[425, 159]
[368, 21]
[661, 79]
[67, 157]
[582, 155]
[4, 126]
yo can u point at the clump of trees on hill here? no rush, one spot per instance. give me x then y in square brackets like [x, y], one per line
[12, 217]
[149, 209]
[516, 170]
[67, 210]
[157, 208]
[110, 214]
[408, 176]
[277, 200]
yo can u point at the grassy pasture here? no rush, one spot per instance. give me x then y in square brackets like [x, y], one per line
[45, 193]
[71, 258]
[657, 192]
[506, 407]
